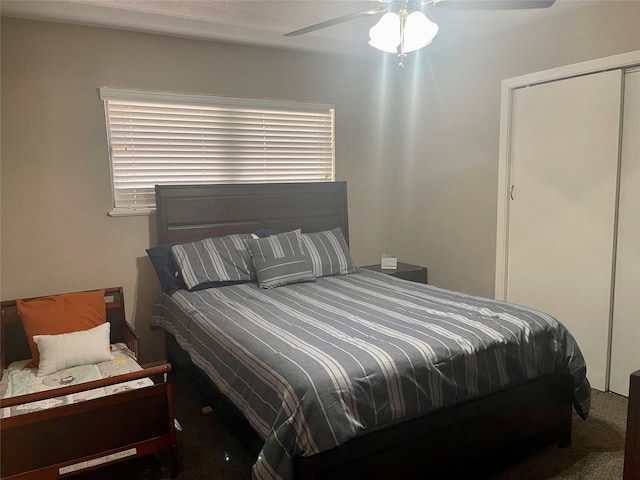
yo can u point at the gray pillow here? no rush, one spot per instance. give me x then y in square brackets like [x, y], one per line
[278, 260]
[221, 259]
[328, 253]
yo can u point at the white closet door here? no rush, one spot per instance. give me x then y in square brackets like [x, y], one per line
[625, 342]
[564, 163]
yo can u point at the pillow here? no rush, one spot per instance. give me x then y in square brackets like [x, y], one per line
[278, 260]
[328, 253]
[221, 259]
[167, 270]
[165, 267]
[58, 314]
[67, 350]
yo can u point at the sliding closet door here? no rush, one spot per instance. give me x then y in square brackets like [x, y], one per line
[564, 165]
[625, 342]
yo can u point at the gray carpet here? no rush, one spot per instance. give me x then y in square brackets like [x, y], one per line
[596, 453]
[207, 448]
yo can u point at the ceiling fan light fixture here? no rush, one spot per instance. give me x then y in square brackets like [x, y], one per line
[402, 33]
[385, 35]
[419, 31]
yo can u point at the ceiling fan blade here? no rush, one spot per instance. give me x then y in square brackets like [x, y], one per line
[494, 4]
[334, 21]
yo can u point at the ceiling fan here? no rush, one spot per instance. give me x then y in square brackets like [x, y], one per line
[404, 28]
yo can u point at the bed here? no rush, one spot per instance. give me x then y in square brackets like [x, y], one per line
[61, 431]
[523, 400]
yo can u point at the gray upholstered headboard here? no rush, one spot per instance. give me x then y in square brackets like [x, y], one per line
[191, 212]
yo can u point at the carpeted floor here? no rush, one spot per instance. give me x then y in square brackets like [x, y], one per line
[208, 450]
[596, 453]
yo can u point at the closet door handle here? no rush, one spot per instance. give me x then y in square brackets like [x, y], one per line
[511, 191]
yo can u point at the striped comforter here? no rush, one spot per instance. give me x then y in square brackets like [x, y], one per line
[311, 365]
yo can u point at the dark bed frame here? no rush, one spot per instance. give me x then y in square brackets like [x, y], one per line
[70, 439]
[458, 439]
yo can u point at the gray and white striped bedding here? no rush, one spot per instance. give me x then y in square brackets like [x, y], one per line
[311, 365]
[328, 253]
[278, 260]
[220, 259]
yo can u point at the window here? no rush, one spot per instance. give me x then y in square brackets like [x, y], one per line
[168, 138]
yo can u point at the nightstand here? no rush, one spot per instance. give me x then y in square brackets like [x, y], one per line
[406, 271]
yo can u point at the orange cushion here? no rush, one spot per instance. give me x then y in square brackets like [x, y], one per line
[71, 312]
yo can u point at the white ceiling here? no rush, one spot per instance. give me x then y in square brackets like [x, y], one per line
[264, 22]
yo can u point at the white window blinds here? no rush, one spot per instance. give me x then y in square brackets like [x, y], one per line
[166, 138]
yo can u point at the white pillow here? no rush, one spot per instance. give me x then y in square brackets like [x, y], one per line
[67, 350]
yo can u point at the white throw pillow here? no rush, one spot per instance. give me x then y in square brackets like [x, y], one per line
[67, 350]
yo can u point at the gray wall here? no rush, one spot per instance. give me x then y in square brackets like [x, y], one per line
[56, 235]
[446, 200]
[418, 148]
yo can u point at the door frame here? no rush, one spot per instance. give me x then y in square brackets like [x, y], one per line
[621, 61]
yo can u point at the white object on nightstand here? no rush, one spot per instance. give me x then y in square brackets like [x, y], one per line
[389, 262]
